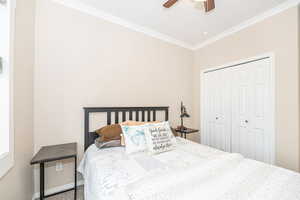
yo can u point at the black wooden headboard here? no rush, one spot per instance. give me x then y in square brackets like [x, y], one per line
[134, 114]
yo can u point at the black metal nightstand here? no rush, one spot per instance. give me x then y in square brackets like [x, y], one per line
[55, 153]
[186, 131]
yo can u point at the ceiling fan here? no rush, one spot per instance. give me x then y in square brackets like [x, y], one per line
[208, 4]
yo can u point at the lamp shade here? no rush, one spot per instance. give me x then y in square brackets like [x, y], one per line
[184, 115]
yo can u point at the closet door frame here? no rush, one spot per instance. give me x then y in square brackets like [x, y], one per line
[272, 120]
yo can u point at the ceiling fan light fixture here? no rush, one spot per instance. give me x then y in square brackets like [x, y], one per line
[208, 4]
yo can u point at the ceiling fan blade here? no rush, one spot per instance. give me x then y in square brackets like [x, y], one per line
[209, 5]
[170, 3]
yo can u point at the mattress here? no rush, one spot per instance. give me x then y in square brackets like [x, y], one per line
[191, 171]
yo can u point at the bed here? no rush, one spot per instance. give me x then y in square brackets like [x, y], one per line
[190, 171]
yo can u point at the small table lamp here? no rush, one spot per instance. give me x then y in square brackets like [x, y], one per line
[183, 114]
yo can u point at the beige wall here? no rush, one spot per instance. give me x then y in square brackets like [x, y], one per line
[278, 34]
[18, 182]
[85, 61]
[77, 61]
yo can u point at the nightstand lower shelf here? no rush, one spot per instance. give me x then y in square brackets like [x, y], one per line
[55, 153]
[42, 182]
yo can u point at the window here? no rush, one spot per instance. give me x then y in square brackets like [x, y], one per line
[6, 66]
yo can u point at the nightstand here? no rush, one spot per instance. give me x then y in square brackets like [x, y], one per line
[55, 153]
[186, 131]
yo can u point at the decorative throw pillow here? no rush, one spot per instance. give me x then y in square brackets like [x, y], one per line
[131, 123]
[159, 138]
[101, 145]
[110, 132]
[136, 123]
[134, 138]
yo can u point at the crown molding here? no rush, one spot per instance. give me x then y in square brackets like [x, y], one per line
[77, 5]
[280, 8]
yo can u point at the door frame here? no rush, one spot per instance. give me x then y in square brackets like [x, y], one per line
[271, 56]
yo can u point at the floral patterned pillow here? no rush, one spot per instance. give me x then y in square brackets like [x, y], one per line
[135, 140]
[159, 138]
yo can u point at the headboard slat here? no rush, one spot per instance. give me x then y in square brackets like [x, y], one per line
[116, 117]
[89, 137]
[143, 115]
[137, 116]
[167, 115]
[123, 116]
[108, 118]
[148, 115]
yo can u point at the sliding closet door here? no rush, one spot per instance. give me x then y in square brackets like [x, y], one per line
[216, 131]
[251, 110]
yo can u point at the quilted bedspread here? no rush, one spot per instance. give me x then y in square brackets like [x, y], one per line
[190, 172]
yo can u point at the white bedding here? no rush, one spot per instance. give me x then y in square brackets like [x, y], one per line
[191, 171]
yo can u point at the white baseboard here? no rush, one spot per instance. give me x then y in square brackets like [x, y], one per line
[57, 189]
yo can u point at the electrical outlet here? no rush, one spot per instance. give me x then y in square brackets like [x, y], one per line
[59, 166]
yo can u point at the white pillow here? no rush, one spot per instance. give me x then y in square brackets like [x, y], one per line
[134, 138]
[159, 138]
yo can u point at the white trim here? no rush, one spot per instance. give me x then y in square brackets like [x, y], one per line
[271, 55]
[57, 189]
[201, 106]
[77, 5]
[12, 64]
[273, 105]
[3, 155]
[280, 8]
[7, 159]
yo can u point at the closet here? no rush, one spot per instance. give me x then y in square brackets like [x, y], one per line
[237, 109]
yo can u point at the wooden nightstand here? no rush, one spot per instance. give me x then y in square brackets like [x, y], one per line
[186, 131]
[55, 153]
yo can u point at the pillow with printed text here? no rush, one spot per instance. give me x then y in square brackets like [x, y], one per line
[159, 138]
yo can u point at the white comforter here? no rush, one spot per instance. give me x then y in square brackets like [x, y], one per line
[192, 171]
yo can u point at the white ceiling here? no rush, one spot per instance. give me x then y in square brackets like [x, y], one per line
[184, 22]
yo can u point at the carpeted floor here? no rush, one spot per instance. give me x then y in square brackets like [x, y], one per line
[69, 195]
